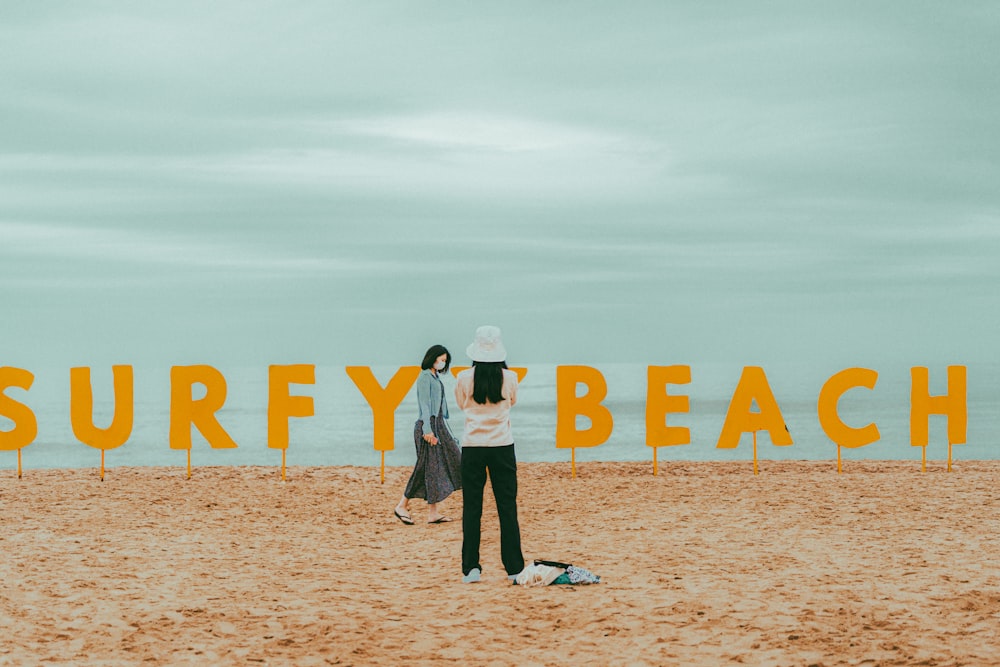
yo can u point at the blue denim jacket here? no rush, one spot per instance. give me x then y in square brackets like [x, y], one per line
[430, 399]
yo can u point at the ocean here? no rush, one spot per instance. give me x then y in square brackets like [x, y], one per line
[340, 432]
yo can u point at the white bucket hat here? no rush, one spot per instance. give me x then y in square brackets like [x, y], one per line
[487, 345]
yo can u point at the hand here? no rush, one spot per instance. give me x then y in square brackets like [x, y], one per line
[430, 438]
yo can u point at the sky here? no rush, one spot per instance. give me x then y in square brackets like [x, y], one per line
[347, 183]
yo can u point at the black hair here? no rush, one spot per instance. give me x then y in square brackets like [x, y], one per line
[487, 381]
[433, 352]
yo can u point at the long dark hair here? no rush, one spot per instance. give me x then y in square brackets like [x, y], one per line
[433, 352]
[487, 381]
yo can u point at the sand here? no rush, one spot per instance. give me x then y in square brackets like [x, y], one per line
[703, 564]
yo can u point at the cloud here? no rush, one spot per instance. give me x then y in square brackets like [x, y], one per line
[487, 132]
[450, 155]
[644, 159]
[165, 249]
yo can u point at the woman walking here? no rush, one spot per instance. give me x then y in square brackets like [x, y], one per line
[437, 473]
[486, 392]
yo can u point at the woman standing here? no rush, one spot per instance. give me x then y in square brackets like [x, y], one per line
[486, 393]
[437, 473]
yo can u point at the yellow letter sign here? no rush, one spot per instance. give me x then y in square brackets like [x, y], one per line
[659, 403]
[829, 396]
[953, 405]
[25, 424]
[281, 405]
[81, 408]
[185, 411]
[753, 387]
[383, 402]
[569, 405]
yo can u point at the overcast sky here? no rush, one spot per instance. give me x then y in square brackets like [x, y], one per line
[319, 182]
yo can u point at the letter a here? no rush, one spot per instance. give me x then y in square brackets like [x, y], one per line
[740, 419]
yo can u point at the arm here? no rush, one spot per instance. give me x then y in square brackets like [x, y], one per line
[424, 403]
[463, 392]
[512, 387]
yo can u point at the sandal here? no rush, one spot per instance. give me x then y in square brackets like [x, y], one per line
[405, 518]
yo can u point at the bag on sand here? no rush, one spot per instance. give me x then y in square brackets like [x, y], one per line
[548, 573]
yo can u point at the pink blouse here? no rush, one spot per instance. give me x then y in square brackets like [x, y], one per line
[486, 425]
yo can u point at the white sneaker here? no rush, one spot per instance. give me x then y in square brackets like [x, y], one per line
[472, 577]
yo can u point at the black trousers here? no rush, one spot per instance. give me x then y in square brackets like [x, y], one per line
[502, 466]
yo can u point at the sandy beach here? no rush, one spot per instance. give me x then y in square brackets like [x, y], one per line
[703, 564]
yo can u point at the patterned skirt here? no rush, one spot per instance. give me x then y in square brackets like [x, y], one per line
[438, 471]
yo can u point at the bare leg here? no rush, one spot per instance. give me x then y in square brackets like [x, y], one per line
[402, 510]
